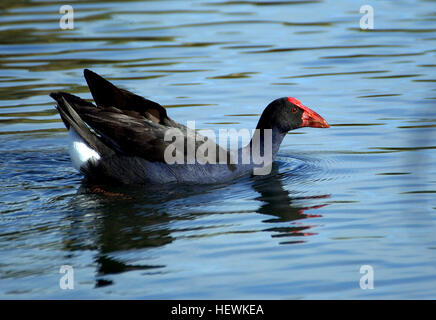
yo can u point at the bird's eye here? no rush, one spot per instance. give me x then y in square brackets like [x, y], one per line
[294, 109]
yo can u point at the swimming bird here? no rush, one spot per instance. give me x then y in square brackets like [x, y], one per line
[124, 139]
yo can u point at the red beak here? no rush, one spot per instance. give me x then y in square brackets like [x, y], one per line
[312, 119]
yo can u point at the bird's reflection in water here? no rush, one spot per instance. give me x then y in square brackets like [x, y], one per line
[278, 203]
[109, 219]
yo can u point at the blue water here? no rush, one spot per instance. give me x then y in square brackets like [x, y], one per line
[359, 193]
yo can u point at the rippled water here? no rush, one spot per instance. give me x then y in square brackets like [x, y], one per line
[359, 193]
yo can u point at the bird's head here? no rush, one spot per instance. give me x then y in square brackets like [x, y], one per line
[288, 114]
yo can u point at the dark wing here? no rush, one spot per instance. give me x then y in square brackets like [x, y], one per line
[124, 132]
[106, 95]
[126, 123]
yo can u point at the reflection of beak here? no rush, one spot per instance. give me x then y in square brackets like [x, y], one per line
[312, 119]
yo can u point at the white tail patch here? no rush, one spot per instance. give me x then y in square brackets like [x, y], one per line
[80, 152]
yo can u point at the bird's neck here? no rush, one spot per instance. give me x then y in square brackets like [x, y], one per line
[270, 135]
[267, 140]
[263, 146]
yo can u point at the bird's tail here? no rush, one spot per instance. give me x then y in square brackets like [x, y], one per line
[84, 145]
